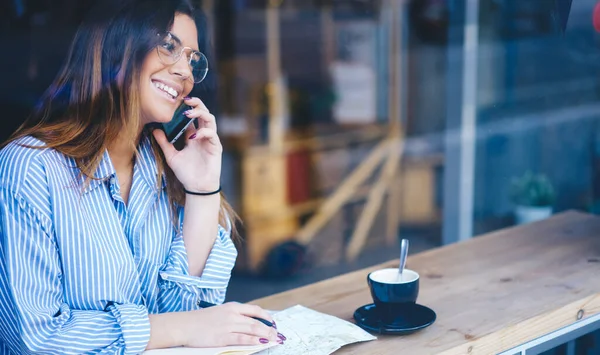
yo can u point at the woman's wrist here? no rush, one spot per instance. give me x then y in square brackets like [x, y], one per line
[205, 187]
[202, 192]
[167, 330]
[180, 326]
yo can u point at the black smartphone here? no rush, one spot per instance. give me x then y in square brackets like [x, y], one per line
[178, 124]
[174, 130]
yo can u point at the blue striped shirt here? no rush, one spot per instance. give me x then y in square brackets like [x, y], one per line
[79, 269]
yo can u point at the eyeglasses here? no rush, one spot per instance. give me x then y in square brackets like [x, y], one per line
[170, 50]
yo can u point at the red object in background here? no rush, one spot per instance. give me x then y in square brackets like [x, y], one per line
[298, 175]
[596, 17]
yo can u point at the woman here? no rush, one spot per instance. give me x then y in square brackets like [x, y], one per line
[96, 252]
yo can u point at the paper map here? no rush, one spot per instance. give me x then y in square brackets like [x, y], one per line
[309, 332]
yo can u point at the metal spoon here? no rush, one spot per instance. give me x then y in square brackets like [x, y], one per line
[403, 255]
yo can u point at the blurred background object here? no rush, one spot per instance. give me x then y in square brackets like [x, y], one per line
[348, 124]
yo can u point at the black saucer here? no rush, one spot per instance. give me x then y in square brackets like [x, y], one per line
[409, 319]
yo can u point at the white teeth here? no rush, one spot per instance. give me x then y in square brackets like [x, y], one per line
[166, 89]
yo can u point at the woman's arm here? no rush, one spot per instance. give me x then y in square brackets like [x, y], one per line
[207, 253]
[200, 227]
[180, 291]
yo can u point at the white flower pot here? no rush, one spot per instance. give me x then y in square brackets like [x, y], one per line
[528, 214]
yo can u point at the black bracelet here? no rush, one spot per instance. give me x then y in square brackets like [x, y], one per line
[203, 193]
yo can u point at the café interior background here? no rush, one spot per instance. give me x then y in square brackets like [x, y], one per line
[348, 124]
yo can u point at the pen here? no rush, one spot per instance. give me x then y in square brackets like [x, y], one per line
[204, 304]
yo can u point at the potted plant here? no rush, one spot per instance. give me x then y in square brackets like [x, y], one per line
[533, 195]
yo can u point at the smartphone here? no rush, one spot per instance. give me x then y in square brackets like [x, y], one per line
[175, 129]
[178, 124]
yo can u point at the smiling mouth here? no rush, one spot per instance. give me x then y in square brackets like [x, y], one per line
[167, 90]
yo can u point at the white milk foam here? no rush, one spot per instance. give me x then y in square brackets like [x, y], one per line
[391, 276]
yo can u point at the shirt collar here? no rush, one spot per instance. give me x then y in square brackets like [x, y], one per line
[104, 171]
[146, 163]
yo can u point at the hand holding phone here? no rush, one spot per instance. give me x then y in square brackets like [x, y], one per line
[178, 124]
[196, 156]
[175, 128]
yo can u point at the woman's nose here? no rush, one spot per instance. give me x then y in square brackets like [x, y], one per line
[181, 67]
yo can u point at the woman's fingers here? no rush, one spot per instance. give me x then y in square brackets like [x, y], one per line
[245, 339]
[250, 310]
[199, 111]
[195, 102]
[249, 325]
[167, 148]
[252, 327]
[208, 135]
[190, 130]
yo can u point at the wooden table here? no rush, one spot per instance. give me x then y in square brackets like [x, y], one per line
[491, 293]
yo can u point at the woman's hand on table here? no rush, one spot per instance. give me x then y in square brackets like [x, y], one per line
[228, 324]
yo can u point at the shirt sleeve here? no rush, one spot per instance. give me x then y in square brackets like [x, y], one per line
[34, 317]
[180, 291]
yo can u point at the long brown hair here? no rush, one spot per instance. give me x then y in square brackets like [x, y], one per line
[94, 99]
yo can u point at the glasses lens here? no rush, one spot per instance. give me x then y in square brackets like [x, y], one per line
[199, 64]
[169, 50]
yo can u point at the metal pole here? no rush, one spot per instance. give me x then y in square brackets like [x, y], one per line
[274, 76]
[461, 118]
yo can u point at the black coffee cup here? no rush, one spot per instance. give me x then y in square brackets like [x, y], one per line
[390, 293]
